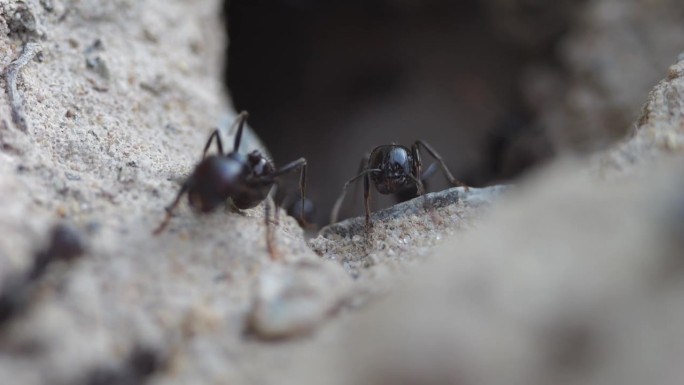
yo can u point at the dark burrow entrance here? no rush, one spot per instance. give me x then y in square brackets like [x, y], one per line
[330, 80]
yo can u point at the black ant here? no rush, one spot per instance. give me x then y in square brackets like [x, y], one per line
[16, 292]
[393, 169]
[246, 179]
[306, 213]
[412, 192]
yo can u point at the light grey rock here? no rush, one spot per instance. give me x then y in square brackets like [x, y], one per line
[405, 231]
[656, 135]
[296, 298]
[559, 258]
[612, 55]
[573, 282]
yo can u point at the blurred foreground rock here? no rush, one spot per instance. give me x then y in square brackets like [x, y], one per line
[571, 281]
[294, 299]
[659, 131]
[576, 278]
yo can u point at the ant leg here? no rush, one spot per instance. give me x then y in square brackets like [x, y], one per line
[240, 122]
[419, 185]
[219, 144]
[270, 241]
[294, 165]
[418, 180]
[417, 163]
[301, 165]
[276, 219]
[442, 164]
[430, 171]
[363, 164]
[302, 197]
[420, 190]
[366, 200]
[338, 202]
[170, 208]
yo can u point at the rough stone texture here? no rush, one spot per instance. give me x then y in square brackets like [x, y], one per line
[612, 56]
[573, 277]
[119, 105]
[404, 232]
[658, 132]
[96, 145]
[570, 281]
[294, 299]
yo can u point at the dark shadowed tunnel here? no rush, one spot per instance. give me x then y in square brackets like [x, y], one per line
[331, 80]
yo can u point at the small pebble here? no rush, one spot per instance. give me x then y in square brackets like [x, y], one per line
[294, 299]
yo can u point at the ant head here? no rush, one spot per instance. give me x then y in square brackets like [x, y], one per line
[259, 164]
[395, 168]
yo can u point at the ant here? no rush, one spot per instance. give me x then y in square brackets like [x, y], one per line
[303, 210]
[246, 179]
[394, 169]
[16, 292]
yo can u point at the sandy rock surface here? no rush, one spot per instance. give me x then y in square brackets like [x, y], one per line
[613, 54]
[404, 232]
[118, 104]
[583, 285]
[573, 276]
[658, 132]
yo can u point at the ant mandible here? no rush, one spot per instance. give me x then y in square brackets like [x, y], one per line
[393, 169]
[246, 179]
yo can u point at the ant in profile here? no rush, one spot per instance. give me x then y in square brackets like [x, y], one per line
[394, 169]
[246, 179]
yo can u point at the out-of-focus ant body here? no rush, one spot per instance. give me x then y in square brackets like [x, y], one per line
[393, 169]
[305, 214]
[246, 179]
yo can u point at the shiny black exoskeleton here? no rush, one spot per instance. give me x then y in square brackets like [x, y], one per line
[246, 179]
[393, 169]
[305, 214]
